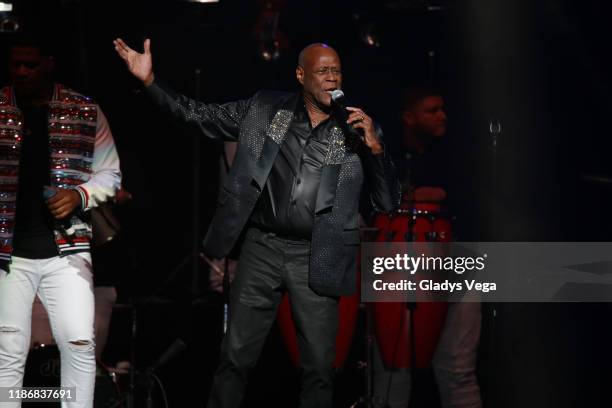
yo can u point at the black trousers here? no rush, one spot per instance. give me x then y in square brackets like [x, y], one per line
[270, 265]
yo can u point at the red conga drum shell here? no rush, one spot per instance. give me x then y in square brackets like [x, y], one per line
[420, 223]
[348, 309]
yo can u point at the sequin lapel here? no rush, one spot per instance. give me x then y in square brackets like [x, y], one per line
[275, 135]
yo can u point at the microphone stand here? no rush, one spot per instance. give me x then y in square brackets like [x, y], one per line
[132, 385]
[493, 317]
[176, 348]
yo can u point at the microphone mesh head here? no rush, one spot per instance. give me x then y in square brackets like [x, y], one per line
[337, 94]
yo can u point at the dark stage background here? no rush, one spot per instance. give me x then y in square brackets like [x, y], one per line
[540, 68]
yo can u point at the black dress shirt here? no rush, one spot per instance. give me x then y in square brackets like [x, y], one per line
[287, 204]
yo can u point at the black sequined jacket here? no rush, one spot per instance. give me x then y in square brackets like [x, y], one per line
[260, 124]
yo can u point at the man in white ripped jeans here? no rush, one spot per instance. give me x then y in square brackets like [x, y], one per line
[58, 162]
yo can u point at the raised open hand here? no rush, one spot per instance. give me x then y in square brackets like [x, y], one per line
[140, 65]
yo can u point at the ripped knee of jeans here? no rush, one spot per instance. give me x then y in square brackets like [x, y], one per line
[8, 329]
[81, 345]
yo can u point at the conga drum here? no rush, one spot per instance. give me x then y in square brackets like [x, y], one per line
[422, 222]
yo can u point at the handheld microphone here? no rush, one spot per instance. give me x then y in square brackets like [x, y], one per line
[339, 103]
[339, 99]
[49, 192]
[64, 226]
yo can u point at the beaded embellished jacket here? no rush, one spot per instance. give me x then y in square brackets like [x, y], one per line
[259, 125]
[82, 156]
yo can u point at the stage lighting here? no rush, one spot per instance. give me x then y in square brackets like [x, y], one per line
[8, 21]
[370, 36]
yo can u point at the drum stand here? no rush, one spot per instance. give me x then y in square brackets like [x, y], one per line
[369, 365]
[177, 347]
[411, 307]
[128, 398]
[365, 401]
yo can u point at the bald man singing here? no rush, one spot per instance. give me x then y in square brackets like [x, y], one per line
[295, 188]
